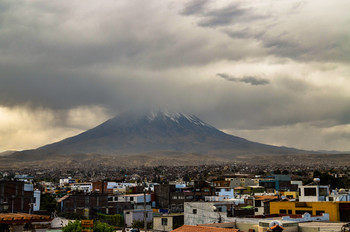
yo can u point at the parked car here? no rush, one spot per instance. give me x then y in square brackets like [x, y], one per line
[132, 230]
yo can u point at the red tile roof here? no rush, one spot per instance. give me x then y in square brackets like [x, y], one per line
[186, 228]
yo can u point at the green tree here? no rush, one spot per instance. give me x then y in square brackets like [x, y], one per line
[140, 224]
[48, 202]
[115, 220]
[103, 227]
[73, 227]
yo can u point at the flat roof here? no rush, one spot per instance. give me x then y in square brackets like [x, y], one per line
[132, 195]
[169, 215]
[11, 218]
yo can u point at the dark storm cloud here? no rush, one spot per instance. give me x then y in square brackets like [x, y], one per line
[271, 29]
[248, 79]
[195, 7]
[52, 88]
[62, 57]
[225, 16]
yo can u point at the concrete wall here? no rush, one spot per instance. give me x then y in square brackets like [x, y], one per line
[317, 197]
[36, 205]
[243, 226]
[203, 213]
[260, 210]
[157, 224]
[136, 215]
[308, 229]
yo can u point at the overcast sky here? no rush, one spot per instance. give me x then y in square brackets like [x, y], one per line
[275, 72]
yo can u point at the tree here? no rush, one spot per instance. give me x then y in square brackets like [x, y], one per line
[48, 202]
[73, 227]
[115, 220]
[140, 224]
[103, 227]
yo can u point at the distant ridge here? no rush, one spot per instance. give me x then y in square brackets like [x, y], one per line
[155, 131]
[6, 153]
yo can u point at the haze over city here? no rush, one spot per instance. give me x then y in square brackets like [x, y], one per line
[274, 72]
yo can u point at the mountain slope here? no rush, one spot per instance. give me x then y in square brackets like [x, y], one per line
[132, 133]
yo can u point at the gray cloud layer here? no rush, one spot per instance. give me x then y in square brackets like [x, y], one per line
[248, 80]
[63, 59]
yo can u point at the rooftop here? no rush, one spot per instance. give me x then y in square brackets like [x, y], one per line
[187, 228]
[10, 218]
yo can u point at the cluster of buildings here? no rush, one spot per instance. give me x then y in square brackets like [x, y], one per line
[244, 202]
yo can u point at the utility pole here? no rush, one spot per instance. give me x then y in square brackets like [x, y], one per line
[144, 208]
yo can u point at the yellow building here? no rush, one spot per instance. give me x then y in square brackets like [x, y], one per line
[313, 208]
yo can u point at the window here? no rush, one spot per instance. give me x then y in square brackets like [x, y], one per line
[164, 221]
[319, 212]
[131, 198]
[290, 211]
[310, 191]
[257, 203]
[256, 209]
[323, 192]
[174, 197]
[283, 211]
[110, 198]
[194, 211]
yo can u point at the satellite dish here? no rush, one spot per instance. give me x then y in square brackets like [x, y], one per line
[342, 191]
[317, 180]
[273, 223]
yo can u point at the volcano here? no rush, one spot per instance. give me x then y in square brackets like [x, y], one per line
[156, 131]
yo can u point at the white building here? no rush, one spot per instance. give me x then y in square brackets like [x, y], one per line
[36, 205]
[167, 222]
[205, 212]
[312, 193]
[66, 181]
[85, 187]
[133, 198]
[120, 187]
[136, 199]
[132, 215]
